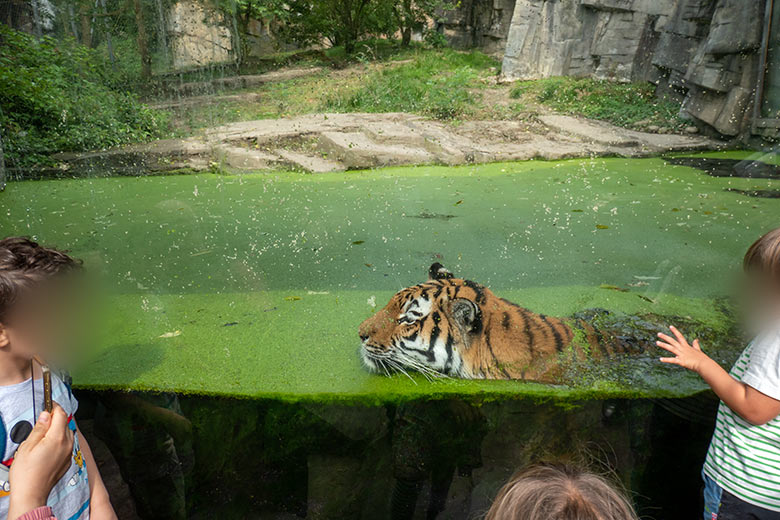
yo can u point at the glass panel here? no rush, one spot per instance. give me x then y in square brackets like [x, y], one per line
[247, 201]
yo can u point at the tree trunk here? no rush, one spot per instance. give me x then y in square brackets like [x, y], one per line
[243, 33]
[36, 19]
[143, 46]
[2, 165]
[406, 36]
[72, 21]
[406, 19]
[107, 27]
[86, 33]
[162, 36]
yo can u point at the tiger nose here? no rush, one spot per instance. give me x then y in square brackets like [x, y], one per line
[366, 329]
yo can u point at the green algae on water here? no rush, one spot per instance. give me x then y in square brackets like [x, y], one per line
[275, 256]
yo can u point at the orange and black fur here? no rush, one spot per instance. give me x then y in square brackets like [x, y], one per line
[459, 328]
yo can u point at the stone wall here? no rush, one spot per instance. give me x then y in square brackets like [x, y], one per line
[198, 35]
[704, 51]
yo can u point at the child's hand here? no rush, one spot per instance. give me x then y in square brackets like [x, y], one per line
[687, 356]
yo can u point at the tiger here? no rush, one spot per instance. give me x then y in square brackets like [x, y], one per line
[454, 327]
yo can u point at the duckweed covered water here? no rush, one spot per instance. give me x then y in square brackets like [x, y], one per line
[253, 285]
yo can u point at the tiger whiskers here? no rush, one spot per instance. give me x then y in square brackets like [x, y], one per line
[383, 366]
[385, 363]
[429, 373]
[400, 362]
[398, 368]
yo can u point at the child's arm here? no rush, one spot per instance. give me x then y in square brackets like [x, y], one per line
[753, 406]
[99, 503]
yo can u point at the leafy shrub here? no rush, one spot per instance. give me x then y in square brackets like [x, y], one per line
[56, 97]
[125, 72]
[623, 104]
[434, 39]
[434, 83]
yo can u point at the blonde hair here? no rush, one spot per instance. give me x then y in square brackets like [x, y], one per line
[763, 256]
[559, 492]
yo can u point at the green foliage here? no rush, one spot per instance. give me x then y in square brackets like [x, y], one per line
[57, 96]
[341, 22]
[624, 104]
[408, 16]
[245, 11]
[435, 39]
[345, 22]
[125, 72]
[433, 83]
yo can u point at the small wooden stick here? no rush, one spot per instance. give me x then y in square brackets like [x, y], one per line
[46, 373]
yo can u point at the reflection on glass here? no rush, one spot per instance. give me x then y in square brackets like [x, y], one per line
[770, 106]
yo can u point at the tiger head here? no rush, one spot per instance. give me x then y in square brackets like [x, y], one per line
[426, 327]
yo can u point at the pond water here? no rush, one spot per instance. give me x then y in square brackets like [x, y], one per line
[253, 286]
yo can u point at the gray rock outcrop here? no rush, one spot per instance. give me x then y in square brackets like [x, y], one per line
[478, 23]
[601, 38]
[704, 51]
[198, 35]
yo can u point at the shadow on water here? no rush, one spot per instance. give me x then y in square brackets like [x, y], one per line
[198, 457]
[722, 167]
[762, 194]
[743, 168]
[127, 361]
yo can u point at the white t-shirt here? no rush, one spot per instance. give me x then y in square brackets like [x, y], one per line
[745, 459]
[70, 497]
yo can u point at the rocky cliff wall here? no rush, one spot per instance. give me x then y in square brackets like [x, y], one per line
[478, 23]
[198, 35]
[702, 50]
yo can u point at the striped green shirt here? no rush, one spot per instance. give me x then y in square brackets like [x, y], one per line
[745, 459]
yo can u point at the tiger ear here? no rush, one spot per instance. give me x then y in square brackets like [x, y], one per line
[439, 272]
[467, 314]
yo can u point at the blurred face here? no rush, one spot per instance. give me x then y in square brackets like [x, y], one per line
[761, 302]
[44, 321]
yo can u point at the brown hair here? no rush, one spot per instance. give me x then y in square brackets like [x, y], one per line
[24, 263]
[559, 492]
[764, 255]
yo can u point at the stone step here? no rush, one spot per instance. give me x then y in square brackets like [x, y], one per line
[310, 163]
[243, 81]
[357, 150]
[444, 146]
[438, 143]
[588, 131]
[395, 133]
[184, 101]
[244, 158]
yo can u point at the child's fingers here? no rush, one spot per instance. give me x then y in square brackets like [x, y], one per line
[668, 339]
[696, 344]
[678, 335]
[670, 360]
[671, 348]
